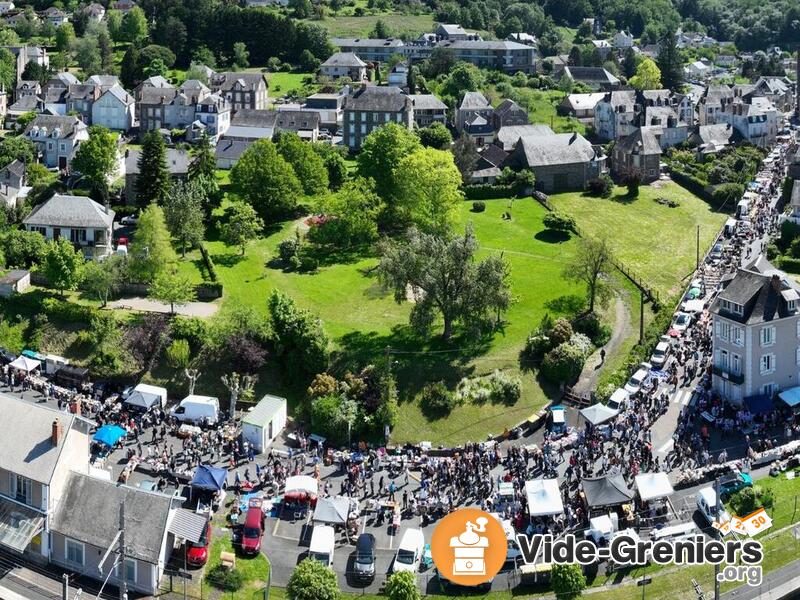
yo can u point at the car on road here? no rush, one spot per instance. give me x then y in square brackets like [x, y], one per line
[681, 322]
[253, 527]
[733, 482]
[660, 354]
[365, 556]
[635, 382]
[409, 552]
[558, 421]
[716, 252]
[197, 552]
[129, 220]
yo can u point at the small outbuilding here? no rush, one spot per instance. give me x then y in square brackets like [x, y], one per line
[264, 422]
[14, 282]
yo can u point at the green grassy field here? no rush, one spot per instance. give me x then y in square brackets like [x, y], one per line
[655, 241]
[281, 84]
[541, 105]
[352, 26]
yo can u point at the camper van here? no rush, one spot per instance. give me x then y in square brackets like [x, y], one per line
[322, 544]
[197, 409]
[409, 552]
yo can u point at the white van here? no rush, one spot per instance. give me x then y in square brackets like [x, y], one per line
[322, 544]
[707, 503]
[635, 382]
[675, 532]
[409, 552]
[618, 400]
[197, 409]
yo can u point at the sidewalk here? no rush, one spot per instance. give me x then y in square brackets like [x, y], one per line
[778, 584]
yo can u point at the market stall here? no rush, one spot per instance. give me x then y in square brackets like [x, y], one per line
[544, 497]
[653, 486]
[108, 435]
[598, 413]
[606, 491]
[25, 363]
[145, 397]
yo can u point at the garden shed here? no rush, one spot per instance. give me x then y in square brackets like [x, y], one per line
[264, 422]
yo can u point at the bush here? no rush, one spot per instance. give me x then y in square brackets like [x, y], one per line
[223, 578]
[497, 388]
[505, 388]
[744, 501]
[790, 265]
[563, 363]
[568, 581]
[486, 191]
[582, 343]
[559, 222]
[560, 333]
[308, 264]
[591, 326]
[478, 206]
[402, 585]
[435, 398]
[536, 346]
[287, 249]
[311, 580]
[178, 354]
[294, 263]
[192, 329]
[600, 186]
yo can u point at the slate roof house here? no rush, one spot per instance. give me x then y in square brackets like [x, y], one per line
[597, 78]
[242, 90]
[638, 152]
[710, 139]
[614, 115]
[428, 109]
[251, 125]
[87, 523]
[41, 446]
[79, 219]
[114, 110]
[371, 107]
[580, 106]
[344, 64]
[472, 104]
[12, 183]
[56, 139]
[507, 113]
[80, 99]
[227, 152]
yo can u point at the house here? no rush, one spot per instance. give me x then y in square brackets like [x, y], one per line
[95, 12]
[669, 130]
[14, 282]
[711, 103]
[26, 88]
[622, 40]
[178, 163]
[213, 115]
[21, 107]
[681, 104]
[227, 152]
[614, 115]
[56, 139]
[794, 203]
[14, 18]
[371, 49]
[596, 78]
[88, 521]
[580, 106]
[603, 48]
[371, 107]
[156, 81]
[79, 219]
[123, 6]
[114, 110]
[428, 109]
[726, 61]
[638, 152]
[756, 346]
[12, 183]
[80, 98]
[398, 74]
[6, 7]
[104, 82]
[489, 165]
[344, 64]
[472, 104]
[778, 90]
[756, 122]
[41, 446]
[509, 113]
[55, 16]
[697, 71]
[265, 3]
[479, 129]
[710, 139]
[508, 136]
[510, 57]
[242, 90]
[561, 161]
[152, 108]
[449, 31]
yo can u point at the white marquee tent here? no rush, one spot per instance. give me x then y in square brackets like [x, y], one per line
[544, 497]
[23, 363]
[652, 486]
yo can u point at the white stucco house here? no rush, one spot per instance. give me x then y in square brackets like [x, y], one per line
[114, 110]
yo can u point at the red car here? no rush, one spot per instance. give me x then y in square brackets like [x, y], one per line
[253, 527]
[197, 552]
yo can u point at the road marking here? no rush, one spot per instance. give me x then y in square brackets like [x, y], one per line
[666, 447]
[686, 399]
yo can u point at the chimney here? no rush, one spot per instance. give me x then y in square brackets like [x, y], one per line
[55, 432]
[776, 283]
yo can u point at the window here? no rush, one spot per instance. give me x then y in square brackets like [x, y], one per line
[797, 356]
[790, 305]
[767, 364]
[74, 552]
[722, 359]
[736, 364]
[130, 570]
[737, 336]
[724, 330]
[769, 389]
[767, 336]
[22, 489]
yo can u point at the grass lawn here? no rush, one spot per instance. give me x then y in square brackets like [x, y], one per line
[541, 105]
[351, 26]
[281, 84]
[655, 241]
[254, 570]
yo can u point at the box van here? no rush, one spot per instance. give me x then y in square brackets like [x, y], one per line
[409, 552]
[197, 409]
[660, 354]
[618, 400]
[365, 556]
[635, 382]
[707, 503]
[253, 527]
[675, 532]
[322, 544]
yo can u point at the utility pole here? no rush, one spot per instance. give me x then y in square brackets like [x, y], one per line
[123, 585]
[641, 316]
[698, 248]
[65, 587]
[719, 512]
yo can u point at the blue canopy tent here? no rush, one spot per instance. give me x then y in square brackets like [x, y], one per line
[109, 435]
[209, 478]
[758, 405]
[791, 397]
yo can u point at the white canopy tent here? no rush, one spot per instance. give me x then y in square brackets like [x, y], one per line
[598, 413]
[302, 483]
[146, 396]
[23, 363]
[544, 497]
[652, 486]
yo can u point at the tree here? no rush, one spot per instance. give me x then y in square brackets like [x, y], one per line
[153, 181]
[402, 586]
[441, 62]
[134, 26]
[559, 222]
[62, 265]
[155, 68]
[114, 23]
[178, 354]
[308, 62]
[130, 71]
[87, 55]
[568, 581]
[629, 63]
[648, 76]
[445, 279]
[8, 69]
[203, 163]
[183, 210]
[240, 386]
[382, 151]
[106, 49]
[241, 225]
[299, 336]
[16, 148]
[563, 364]
[670, 62]
[262, 178]
[241, 57]
[592, 262]
[334, 163]
[301, 9]
[154, 52]
[170, 287]
[36, 72]
[381, 30]
[151, 251]
[464, 77]
[96, 159]
[103, 278]
[351, 215]
[311, 580]
[435, 136]
[22, 249]
[65, 38]
[307, 164]
[465, 156]
[428, 191]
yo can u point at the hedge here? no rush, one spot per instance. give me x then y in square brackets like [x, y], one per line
[789, 264]
[484, 191]
[212, 269]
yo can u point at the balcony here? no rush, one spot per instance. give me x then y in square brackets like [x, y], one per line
[728, 375]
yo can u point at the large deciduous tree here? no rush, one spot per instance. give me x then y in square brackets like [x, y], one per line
[591, 263]
[441, 273]
[307, 164]
[96, 159]
[62, 265]
[183, 209]
[151, 250]
[242, 225]
[648, 76]
[381, 152]
[170, 287]
[351, 215]
[102, 278]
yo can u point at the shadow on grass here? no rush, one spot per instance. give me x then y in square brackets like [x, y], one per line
[228, 260]
[330, 255]
[568, 304]
[552, 236]
[624, 198]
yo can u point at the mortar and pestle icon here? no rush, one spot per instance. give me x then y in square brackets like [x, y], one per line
[469, 549]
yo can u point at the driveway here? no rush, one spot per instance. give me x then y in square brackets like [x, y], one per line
[192, 309]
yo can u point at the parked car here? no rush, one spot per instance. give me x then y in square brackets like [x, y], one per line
[253, 527]
[733, 482]
[716, 252]
[197, 552]
[365, 556]
[409, 552]
[558, 421]
[322, 544]
[707, 504]
[129, 220]
[660, 354]
[635, 382]
[681, 322]
[618, 400]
